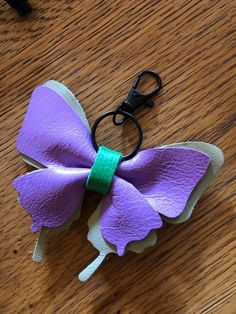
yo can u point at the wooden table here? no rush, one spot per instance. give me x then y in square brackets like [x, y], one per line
[96, 48]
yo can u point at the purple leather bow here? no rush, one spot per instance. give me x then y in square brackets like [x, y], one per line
[156, 181]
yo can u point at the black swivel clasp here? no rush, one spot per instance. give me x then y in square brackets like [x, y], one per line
[136, 98]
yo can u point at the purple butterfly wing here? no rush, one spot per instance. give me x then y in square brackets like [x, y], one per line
[166, 176]
[52, 133]
[51, 195]
[126, 215]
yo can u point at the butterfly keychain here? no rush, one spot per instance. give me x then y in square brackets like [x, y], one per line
[140, 190]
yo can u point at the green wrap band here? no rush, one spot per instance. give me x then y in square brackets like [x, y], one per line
[103, 170]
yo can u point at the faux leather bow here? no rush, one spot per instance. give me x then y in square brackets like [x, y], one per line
[156, 182]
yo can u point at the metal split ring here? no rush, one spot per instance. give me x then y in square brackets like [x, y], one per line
[126, 115]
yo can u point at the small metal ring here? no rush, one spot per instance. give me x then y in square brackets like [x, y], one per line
[125, 115]
[117, 123]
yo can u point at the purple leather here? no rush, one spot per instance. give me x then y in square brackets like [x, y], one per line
[52, 134]
[165, 176]
[51, 195]
[126, 215]
[154, 181]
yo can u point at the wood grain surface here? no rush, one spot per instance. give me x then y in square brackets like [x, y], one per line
[96, 48]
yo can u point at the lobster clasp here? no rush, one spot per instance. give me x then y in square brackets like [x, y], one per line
[136, 98]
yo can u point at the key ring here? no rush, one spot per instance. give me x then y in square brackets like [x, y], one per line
[125, 115]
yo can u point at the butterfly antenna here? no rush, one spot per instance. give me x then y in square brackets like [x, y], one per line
[39, 246]
[91, 268]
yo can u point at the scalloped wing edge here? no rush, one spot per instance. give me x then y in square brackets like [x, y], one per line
[105, 248]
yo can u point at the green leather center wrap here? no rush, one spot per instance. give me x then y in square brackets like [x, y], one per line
[103, 170]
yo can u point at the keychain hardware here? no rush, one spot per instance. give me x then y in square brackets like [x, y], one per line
[135, 100]
[125, 115]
